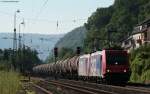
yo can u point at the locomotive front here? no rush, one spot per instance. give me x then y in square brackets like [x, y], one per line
[116, 67]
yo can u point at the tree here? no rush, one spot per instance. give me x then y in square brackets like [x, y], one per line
[24, 59]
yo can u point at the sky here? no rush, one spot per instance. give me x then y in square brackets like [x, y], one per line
[48, 16]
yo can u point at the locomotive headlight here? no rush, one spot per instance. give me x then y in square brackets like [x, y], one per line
[125, 70]
[108, 70]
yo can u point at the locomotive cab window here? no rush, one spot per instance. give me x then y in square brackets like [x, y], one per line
[116, 58]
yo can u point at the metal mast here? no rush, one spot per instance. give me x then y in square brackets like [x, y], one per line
[15, 38]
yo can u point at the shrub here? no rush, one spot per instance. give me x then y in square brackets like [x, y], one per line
[140, 64]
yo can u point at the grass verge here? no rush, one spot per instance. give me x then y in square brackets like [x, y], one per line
[9, 82]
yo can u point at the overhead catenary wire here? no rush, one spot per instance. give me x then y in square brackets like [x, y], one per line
[47, 20]
[51, 21]
[58, 23]
[41, 9]
[9, 1]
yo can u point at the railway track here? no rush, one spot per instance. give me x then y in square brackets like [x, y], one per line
[93, 88]
[139, 88]
[40, 90]
[145, 87]
[111, 88]
[77, 88]
[30, 86]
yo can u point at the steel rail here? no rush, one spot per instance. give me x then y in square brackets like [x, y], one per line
[112, 88]
[41, 88]
[106, 89]
[83, 89]
[139, 88]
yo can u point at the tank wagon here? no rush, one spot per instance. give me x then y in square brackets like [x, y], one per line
[109, 66]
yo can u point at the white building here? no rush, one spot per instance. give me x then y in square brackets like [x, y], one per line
[140, 36]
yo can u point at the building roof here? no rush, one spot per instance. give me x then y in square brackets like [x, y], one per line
[128, 38]
[139, 31]
[144, 22]
[141, 27]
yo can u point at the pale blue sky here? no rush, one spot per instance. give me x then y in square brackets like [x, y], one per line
[40, 18]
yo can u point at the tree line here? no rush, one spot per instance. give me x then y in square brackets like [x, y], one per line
[21, 60]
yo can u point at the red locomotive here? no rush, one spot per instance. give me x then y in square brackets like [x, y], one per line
[110, 66]
[115, 66]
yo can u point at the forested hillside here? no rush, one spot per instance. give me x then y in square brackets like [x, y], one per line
[115, 22]
[72, 39]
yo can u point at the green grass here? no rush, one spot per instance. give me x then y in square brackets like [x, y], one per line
[9, 82]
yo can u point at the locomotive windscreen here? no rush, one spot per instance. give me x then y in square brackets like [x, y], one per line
[116, 57]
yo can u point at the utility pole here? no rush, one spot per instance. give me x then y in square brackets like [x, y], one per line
[95, 44]
[109, 42]
[57, 27]
[55, 54]
[20, 45]
[19, 37]
[109, 31]
[20, 49]
[15, 38]
[14, 41]
[55, 57]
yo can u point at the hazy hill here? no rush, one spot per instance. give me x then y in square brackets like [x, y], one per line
[42, 43]
[73, 39]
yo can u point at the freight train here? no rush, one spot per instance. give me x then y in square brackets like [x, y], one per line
[106, 66]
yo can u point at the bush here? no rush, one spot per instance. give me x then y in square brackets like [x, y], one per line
[5, 65]
[146, 75]
[140, 64]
